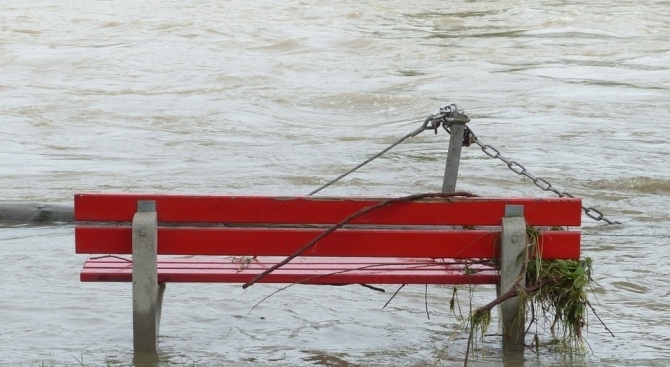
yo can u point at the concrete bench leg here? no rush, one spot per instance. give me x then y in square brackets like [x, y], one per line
[512, 257]
[147, 293]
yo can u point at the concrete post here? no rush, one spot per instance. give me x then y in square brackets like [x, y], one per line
[147, 294]
[453, 157]
[159, 308]
[512, 257]
[457, 126]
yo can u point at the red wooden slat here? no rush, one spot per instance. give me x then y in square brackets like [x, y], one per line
[282, 241]
[263, 263]
[341, 243]
[217, 261]
[559, 245]
[361, 243]
[306, 273]
[296, 210]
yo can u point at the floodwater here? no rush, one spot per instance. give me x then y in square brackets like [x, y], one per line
[277, 98]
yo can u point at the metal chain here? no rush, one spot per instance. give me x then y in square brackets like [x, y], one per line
[449, 114]
[413, 133]
[540, 182]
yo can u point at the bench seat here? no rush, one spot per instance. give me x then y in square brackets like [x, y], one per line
[150, 240]
[304, 270]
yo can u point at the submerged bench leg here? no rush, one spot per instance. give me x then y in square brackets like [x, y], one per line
[147, 293]
[512, 257]
[159, 307]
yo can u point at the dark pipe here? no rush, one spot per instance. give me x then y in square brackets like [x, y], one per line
[36, 213]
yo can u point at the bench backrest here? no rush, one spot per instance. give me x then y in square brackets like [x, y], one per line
[278, 226]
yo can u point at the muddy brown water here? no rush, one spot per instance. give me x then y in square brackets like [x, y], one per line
[279, 97]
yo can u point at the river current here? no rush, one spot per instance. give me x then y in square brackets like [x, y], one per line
[277, 98]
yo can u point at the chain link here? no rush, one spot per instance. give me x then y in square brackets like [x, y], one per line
[540, 182]
[450, 114]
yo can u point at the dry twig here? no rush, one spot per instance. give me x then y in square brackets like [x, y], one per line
[347, 220]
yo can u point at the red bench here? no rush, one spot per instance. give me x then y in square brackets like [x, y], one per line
[427, 241]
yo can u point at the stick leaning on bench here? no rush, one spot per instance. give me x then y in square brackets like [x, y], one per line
[424, 242]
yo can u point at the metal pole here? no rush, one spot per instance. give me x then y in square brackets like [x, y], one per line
[453, 156]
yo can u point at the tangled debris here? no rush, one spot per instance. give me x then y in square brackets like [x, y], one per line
[554, 295]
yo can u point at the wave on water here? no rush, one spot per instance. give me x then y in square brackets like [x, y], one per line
[645, 185]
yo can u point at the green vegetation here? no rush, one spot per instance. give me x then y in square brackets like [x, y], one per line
[554, 298]
[561, 298]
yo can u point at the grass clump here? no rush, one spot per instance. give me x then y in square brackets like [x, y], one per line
[553, 296]
[560, 298]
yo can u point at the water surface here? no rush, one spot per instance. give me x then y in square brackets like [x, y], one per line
[278, 98]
